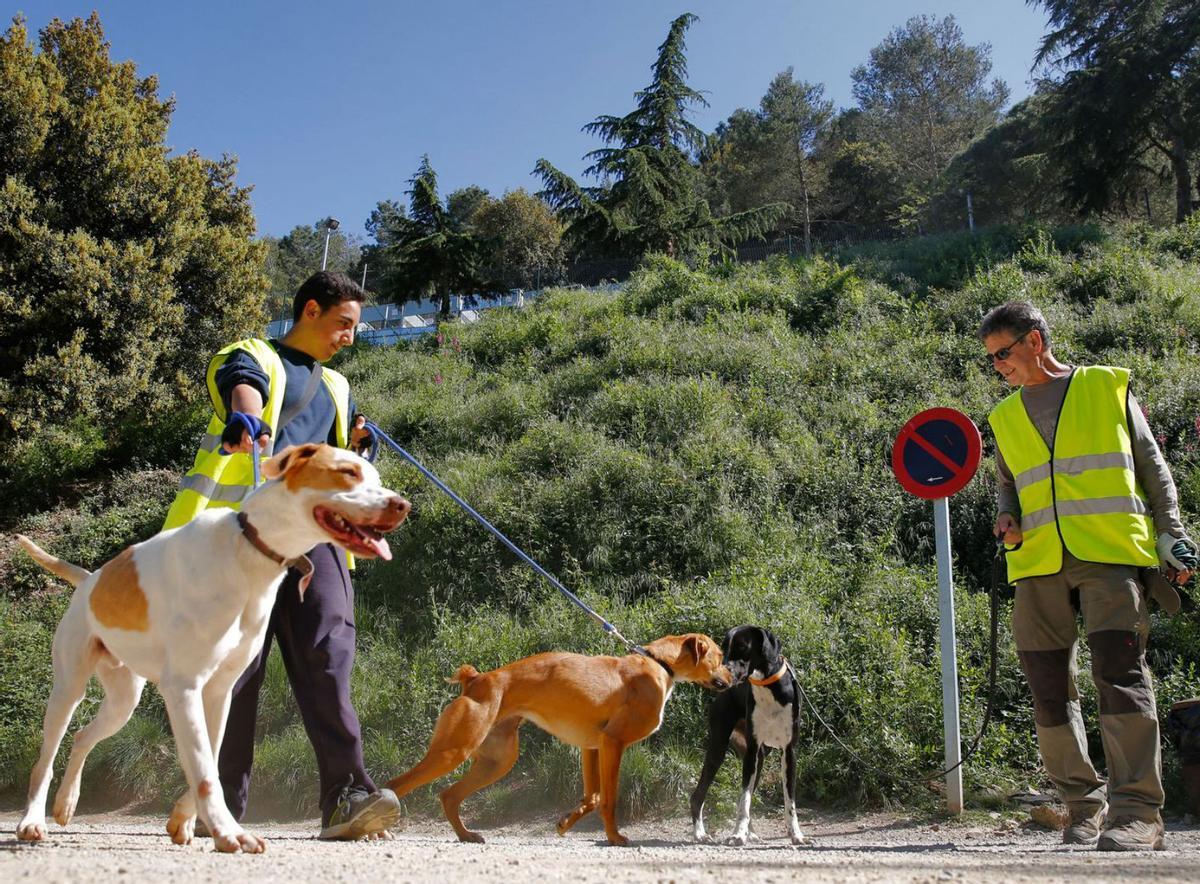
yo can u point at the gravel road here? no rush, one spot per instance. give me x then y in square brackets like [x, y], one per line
[118, 847]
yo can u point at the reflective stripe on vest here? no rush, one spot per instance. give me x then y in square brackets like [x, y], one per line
[1086, 495]
[217, 479]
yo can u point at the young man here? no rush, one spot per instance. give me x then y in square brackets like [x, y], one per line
[1086, 502]
[277, 393]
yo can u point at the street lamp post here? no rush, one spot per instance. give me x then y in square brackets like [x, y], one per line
[331, 224]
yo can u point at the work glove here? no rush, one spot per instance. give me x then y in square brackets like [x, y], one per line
[1177, 553]
[238, 425]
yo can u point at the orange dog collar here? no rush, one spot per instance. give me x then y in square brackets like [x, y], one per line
[763, 682]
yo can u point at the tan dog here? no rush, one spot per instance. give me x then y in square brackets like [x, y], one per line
[600, 704]
[188, 609]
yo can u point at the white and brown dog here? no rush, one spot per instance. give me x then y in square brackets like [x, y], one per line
[188, 609]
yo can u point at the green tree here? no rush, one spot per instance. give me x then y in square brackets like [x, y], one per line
[462, 204]
[521, 241]
[372, 263]
[295, 256]
[122, 267]
[1007, 170]
[924, 95]
[1130, 94]
[650, 197]
[428, 252]
[768, 155]
[864, 189]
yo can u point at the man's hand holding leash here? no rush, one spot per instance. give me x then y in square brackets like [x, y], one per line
[1008, 526]
[240, 430]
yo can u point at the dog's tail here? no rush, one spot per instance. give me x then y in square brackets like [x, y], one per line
[73, 574]
[464, 676]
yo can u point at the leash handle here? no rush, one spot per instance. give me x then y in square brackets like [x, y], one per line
[550, 578]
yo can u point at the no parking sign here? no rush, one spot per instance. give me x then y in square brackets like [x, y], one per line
[935, 455]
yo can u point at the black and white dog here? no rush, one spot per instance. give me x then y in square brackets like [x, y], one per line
[761, 711]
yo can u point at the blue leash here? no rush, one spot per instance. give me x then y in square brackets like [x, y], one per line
[574, 599]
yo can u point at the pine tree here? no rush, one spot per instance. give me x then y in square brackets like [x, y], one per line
[1130, 95]
[429, 252]
[649, 198]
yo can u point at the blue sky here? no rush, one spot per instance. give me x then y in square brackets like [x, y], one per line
[329, 106]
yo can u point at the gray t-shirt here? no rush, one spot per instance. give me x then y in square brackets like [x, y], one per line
[1043, 403]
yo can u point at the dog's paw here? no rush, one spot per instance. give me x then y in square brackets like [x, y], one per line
[181, 827]
[64, 807]
[702, 838]
[618, 840]
[32, 831]
[798, 838]
[469, 837]
[238, 839]
[737, 840]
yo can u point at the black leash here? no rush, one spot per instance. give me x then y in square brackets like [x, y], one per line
[550, 578]
[997, 564]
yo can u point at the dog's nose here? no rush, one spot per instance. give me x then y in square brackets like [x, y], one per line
[398, 508]
[720, 682]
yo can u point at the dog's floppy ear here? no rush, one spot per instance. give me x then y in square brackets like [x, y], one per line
[772, 647]
[727, 641]
[694, 645]
[288, 459]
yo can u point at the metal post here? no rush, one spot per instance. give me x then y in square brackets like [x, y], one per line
[363, 284]
[941, 524]
[970, 213]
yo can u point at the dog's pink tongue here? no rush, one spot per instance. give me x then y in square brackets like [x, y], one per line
[380, 545]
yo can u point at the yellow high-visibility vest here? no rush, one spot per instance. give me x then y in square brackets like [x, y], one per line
[217, 479]
[1085, 496]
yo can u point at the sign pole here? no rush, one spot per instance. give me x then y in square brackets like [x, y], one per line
[935, 455]
[950, 723]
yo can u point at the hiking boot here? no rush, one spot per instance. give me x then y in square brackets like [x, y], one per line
[1132, 833]
[359, 813]
[1084, 824]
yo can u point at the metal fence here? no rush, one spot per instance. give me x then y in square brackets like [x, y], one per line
[385, 324]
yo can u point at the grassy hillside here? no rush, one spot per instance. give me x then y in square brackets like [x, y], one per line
[701, 449]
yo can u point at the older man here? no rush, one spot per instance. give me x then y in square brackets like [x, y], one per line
[1086, 502]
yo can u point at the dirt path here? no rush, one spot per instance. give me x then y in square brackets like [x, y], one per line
[113, 848]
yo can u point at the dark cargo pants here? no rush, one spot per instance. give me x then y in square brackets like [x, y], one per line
[316, 641]
[1116, 622]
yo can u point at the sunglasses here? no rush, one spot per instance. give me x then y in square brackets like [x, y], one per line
[1004, 352]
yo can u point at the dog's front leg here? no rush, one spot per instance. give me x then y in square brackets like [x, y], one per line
[751, 765]
[216, 695]
[789, 793]
[185, 708]
[611, 751]
[720, 727]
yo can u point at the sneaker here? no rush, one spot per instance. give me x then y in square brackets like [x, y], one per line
[1132, 833]
[1083, 826]
[359, 813]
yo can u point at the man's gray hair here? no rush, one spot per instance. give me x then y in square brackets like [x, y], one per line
[1017, 318]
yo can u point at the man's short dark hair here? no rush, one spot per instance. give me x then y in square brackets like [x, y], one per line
[327, 289]
[1017, 318]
